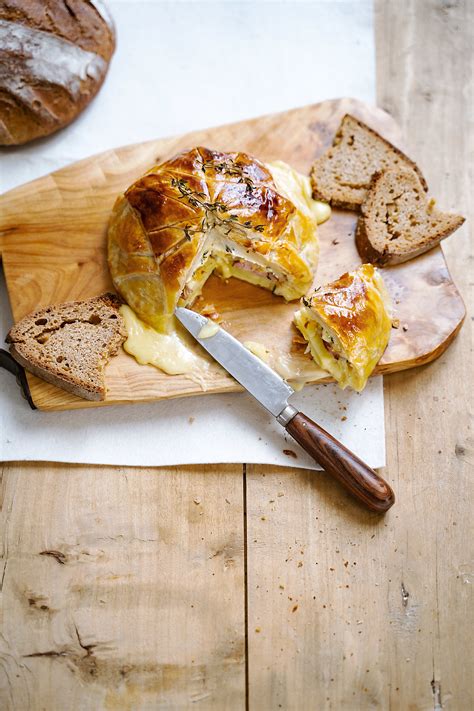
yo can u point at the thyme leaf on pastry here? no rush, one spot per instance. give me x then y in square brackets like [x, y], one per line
[232, 169]
[194, 198]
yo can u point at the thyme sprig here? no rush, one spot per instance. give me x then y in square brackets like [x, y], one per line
[197, 199]
[232, 169]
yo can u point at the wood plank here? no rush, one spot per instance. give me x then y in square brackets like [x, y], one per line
[54, 249]
[122, 588]
[347, 610]
[430, 409]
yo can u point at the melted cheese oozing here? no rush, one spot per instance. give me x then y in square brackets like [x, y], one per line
[209, 329]
[340, 368]
[297, 376]
[226, 253]
[167, 351]
[170, 351]
[297, 188]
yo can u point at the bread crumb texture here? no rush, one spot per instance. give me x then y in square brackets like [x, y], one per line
[398, 222]
[69, 344]
[343, 174]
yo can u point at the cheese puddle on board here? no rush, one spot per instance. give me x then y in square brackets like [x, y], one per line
[170, 352]
[296, 376]
[176, 352]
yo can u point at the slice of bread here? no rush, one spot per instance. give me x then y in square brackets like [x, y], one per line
[397, 220]
[343, 174]
[69, 344]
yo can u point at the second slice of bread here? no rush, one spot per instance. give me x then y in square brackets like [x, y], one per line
[69, 344]
[397, 221]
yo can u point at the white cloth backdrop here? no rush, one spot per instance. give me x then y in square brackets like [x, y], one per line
[181, 66]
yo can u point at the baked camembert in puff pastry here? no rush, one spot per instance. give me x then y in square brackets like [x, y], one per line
[347, 325]
[206, 211]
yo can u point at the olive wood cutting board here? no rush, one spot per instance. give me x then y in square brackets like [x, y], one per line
[53, 248]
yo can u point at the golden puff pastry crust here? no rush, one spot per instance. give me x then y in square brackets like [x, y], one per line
[347, 325]
[205, 211]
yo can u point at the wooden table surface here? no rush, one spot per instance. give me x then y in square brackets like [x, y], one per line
[226, 588]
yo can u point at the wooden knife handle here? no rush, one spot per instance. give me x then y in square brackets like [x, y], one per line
[360, 480]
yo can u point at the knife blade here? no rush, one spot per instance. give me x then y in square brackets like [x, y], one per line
[257, 377]
[273, 392]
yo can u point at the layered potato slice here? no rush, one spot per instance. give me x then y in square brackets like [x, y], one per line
[347, 325]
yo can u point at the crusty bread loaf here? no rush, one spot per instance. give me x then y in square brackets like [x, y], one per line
[69, 344]
[343, 174]
[53, 59]
[397, 221]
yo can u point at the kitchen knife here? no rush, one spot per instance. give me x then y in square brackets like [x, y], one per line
[273, 392]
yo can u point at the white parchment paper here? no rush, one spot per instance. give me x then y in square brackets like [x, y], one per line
[181, 66]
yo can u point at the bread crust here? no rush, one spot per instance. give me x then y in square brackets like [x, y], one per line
[334, 202]
[25, 343]
[54, 57]
[351, 201]
[383, 257]
[94, 394]
[366, 251]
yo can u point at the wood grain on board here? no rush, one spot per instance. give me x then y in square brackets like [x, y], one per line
[53, 245]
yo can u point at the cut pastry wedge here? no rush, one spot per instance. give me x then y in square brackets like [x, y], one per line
[347, 325]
